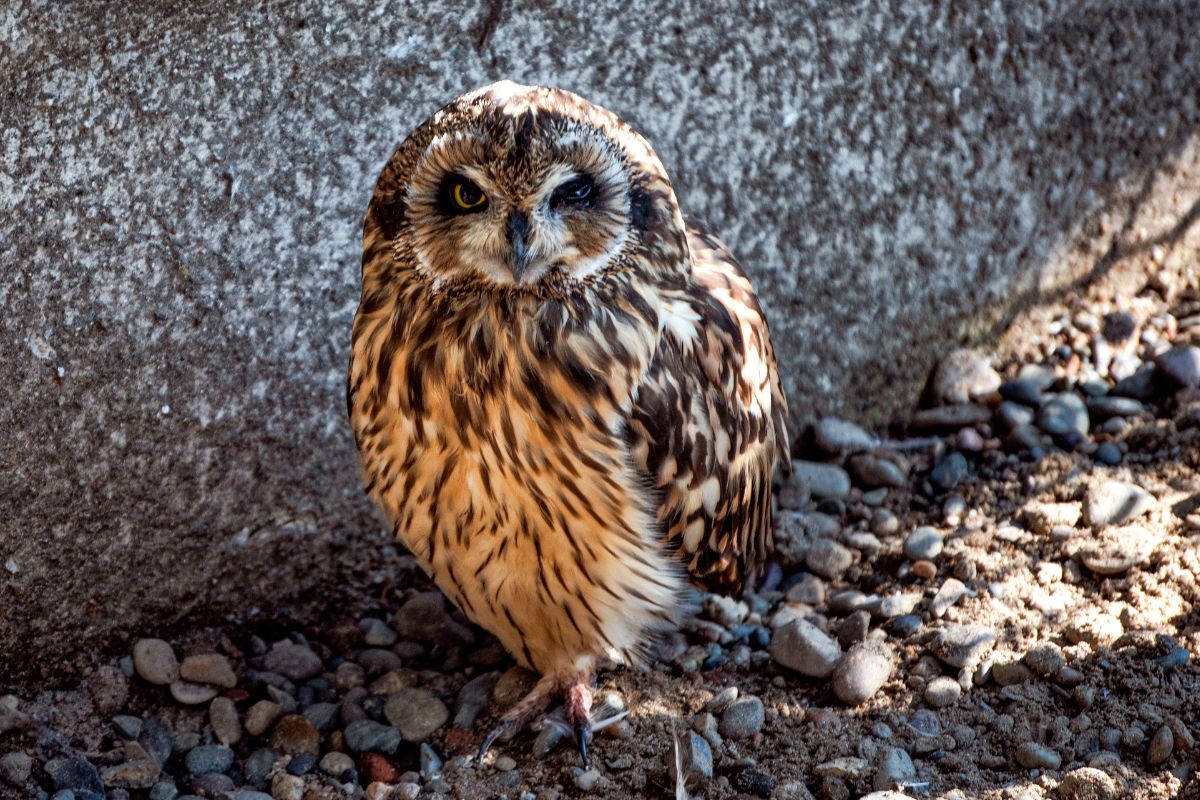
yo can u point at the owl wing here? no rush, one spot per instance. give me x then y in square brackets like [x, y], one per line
[709, 420]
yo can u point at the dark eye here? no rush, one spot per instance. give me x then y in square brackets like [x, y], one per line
[576, 192]
[461, 196]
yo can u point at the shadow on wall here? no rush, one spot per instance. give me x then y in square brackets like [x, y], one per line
[1019, 165]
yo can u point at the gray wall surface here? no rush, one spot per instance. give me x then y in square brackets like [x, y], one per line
[181, 195]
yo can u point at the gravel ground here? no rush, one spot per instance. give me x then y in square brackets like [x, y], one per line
[997, 598]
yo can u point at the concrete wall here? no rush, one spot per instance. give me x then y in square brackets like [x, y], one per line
[183, 184]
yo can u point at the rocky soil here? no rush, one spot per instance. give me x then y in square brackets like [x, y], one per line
[996, 598]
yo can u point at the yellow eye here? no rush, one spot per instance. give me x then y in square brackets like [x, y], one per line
[467, 196]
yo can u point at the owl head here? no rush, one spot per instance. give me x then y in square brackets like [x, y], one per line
[515, 188]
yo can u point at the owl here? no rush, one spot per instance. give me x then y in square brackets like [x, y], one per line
[564, 395]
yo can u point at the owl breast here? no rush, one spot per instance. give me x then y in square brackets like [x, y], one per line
[493, 436]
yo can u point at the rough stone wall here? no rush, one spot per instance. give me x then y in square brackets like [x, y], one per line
[182, 186]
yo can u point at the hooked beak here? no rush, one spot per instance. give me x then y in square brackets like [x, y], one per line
[518, 242]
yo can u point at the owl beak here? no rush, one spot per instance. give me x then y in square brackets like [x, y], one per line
[518, 241]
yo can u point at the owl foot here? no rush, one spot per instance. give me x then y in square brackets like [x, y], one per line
[577, 693]
[579, 709]
[517, 718]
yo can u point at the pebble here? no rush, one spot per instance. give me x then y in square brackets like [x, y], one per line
[1039, 375]
[1114, 502]
[828, 559]
[1045, 659]
[1011, 673]
[1176, 658]
[697, 759]
[368, 736]
[941, 692]
[872, 472]
[246, 794]
[1182, 365]
[1042, 518]
[1140, 385]
[430, 762]
[1010, 416]
[261, 716]
[223, 716]
[863, 670]
[894, 769]
[722, 700]
[322, 716]
[15, 768]
[884, 523]
[208, 758]
[192, 694]
[587, 780]
[416, 713]
[742, 719]
[210, 668]
[1116, 555]
[951, 591]
[155, 740]
[212, 784]
[296, 735]
[1103, 408]
[963, 646]
[1024, 438]
[801, 646]
[473, 699]
[837, 436]
[155, 662]
[128, 726]
[165, 790]
[962, 376]
[854, 628]
[376, 768]
[1062, 414]
[904, 625]
[293, 661]
[1109, 454]
[823, 480]
[1161, 746]
[809, 589]
[755, 782]
[1090, 783]
[287, 787]
[1024, 393]
[336, 763]
[549, 738]
[923, 544]
[949, 472]
[257, 768]
[896, 604]
[377, 633]
[949, 417]
[1037, 756]
[793, 790]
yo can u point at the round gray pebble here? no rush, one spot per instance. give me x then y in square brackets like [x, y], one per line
[861, 672]
[923, 544]
[742, 719]
[155, 662]
[208, 758]
[416, 713]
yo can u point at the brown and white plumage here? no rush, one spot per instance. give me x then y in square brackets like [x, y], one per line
[564, 399]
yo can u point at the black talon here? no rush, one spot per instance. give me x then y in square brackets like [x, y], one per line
[500, 730]
[583, 733]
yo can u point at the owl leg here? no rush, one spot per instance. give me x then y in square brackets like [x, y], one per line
[579, 709]
[520, 715]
